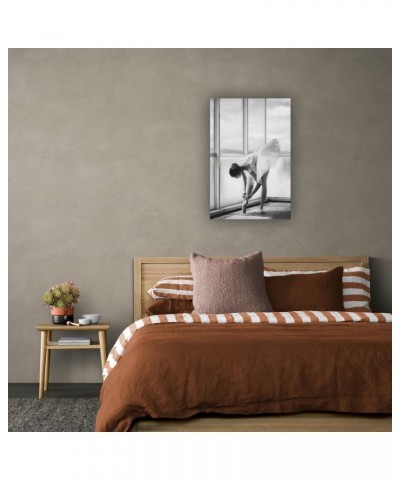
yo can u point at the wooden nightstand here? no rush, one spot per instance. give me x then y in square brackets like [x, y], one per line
[47, 345]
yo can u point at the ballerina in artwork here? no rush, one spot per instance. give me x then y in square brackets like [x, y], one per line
[254, 171]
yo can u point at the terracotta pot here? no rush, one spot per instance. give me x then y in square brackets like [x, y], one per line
[62, 310]
[62, 315]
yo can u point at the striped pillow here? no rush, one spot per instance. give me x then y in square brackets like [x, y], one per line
[180, 287]
[356, 287]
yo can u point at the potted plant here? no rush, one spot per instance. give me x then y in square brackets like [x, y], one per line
[61, 299]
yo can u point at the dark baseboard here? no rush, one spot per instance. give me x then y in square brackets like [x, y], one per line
[56, 390]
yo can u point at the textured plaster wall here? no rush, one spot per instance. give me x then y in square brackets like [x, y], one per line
[108, 160]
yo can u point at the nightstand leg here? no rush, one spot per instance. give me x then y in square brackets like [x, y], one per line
[43, 337]
[103, 348]
[47, 367]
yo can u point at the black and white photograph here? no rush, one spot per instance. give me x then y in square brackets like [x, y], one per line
[250, 158]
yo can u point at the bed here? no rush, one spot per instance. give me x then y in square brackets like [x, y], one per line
[169, 373]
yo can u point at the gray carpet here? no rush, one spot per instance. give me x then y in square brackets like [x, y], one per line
[52, 414]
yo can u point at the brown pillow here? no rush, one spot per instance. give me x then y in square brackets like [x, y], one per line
[223, 286]
[315, 291]
[169, 305]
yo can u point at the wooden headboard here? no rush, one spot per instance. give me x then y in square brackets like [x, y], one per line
[148, 270]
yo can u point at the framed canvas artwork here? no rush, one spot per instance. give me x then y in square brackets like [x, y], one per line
[250, 158]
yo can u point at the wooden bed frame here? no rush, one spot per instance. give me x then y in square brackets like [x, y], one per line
[148, 270]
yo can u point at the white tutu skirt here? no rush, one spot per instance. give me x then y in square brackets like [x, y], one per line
[264, 159]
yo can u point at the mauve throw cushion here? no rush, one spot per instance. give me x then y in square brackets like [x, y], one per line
[316, 291]
[222, 286]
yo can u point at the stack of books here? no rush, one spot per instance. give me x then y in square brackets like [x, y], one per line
[74, 341]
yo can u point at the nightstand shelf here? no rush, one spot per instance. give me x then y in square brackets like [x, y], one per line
[47, 345]
[57, 346]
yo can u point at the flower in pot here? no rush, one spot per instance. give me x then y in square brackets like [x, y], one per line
[61, 299]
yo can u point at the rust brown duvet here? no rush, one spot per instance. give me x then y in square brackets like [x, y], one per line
[176, 370]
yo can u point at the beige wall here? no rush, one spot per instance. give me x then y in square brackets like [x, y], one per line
[109, 160]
